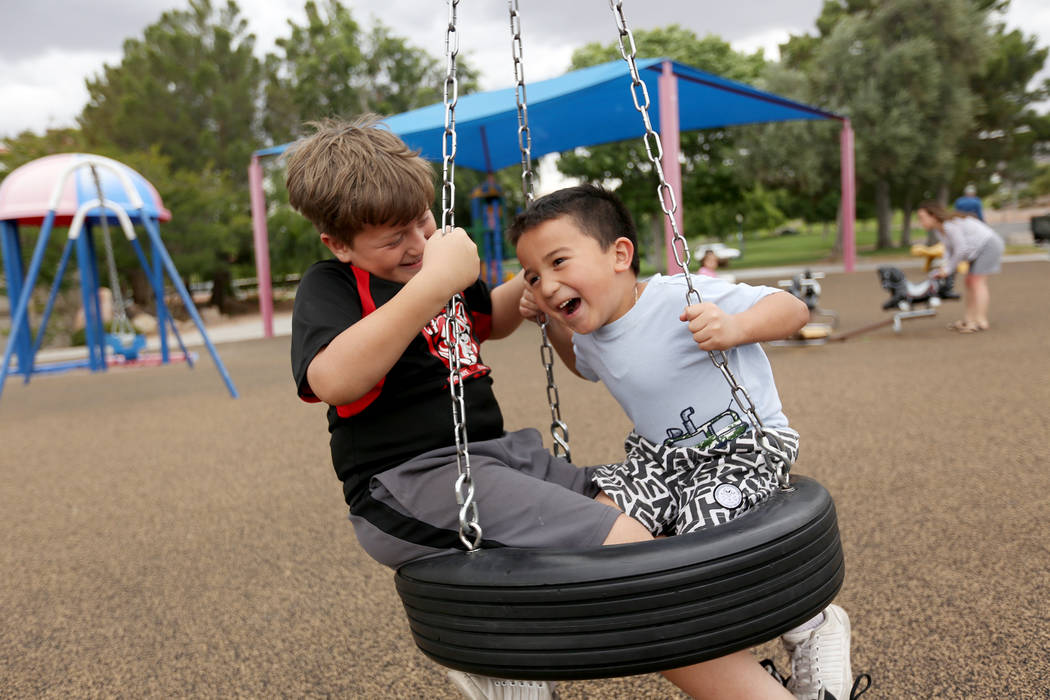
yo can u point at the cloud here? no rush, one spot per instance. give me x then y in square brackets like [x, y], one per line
[39, 26]
[47, 90]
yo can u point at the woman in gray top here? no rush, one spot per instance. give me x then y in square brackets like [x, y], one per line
[966, 238]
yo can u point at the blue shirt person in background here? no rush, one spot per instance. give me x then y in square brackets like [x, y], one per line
[970, 203]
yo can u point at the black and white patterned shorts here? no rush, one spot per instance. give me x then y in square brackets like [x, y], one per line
[675, 490]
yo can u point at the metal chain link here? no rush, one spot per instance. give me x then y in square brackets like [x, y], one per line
[559, 430]
[771, 444]
[524, 137]
[454, 331]
[121, 325]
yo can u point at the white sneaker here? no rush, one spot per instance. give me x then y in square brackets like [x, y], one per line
[820, 668]
[475, 687]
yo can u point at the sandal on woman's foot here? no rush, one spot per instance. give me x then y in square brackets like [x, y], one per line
[971, 328]
[958, 325]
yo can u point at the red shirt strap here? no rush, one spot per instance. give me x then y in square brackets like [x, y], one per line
[368, 305]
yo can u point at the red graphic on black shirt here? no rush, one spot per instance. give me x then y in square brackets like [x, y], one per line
[469, 349]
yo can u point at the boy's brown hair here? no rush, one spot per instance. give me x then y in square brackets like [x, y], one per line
[351, 174]
[595, 211]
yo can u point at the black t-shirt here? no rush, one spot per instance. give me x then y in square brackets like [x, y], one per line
[410, 410]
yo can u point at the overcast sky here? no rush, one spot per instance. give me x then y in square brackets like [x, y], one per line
[51, 46]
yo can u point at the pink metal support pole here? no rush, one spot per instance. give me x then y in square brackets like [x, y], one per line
[668, 89]
[262, 245]
[849, 197]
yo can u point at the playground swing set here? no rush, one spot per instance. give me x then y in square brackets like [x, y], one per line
[548, 614]
[82, 191]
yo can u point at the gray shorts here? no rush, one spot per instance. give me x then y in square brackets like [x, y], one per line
[989, 258]
[526, 498]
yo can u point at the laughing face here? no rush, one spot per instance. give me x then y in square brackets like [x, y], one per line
[391, 252]
[572, 279]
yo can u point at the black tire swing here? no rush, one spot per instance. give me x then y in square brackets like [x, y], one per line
[568, 614]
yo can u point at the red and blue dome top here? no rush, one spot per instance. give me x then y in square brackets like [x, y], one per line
[63, 182]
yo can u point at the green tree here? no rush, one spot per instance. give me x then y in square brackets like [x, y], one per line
[1001, 146]
[901, 70]
[800, 159]
[332, 67]
[189, 86]
[189, 90]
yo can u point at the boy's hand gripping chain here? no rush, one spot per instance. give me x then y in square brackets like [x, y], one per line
[559, 430]
[771, 443]
[469, 529]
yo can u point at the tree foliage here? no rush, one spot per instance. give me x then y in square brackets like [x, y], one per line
[332, 67]
[901, 72]
[189, 86]
[1007, 131]
[187, 92]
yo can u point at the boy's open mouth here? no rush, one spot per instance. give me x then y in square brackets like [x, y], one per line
[569, 306]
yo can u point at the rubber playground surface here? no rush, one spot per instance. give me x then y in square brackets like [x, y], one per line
[164, 540]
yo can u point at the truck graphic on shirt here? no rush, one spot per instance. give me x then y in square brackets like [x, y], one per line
[724, 427]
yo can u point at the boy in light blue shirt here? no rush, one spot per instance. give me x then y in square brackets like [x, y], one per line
[693, 460]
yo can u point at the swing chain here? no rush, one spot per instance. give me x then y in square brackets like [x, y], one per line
[120, 324]
[559, 430]
[524, 136]
[770, 443]
[453, 332]
[448, 139]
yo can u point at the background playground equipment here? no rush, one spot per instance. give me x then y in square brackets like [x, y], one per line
[486, 213]
[905, 296]
[805, 286]
[932, 253]
[81, 190]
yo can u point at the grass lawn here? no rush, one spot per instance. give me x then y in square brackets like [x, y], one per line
[813, 246]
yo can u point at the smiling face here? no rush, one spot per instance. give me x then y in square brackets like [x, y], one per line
[391, 252]
[572, 278]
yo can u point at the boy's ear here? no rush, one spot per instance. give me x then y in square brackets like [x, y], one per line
[624, 252]
[340, 249]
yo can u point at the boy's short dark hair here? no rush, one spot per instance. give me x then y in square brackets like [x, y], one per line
[351, 174]
[597, 212]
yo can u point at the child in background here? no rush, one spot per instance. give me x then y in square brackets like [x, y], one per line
[709, 264]
[692, 460]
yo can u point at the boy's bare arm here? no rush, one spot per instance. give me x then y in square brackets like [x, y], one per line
[773, 317]
[354, 362]
[505, 314]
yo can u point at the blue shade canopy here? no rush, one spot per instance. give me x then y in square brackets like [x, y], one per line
[586, 107]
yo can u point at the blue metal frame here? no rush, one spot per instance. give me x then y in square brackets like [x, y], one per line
[21, 344]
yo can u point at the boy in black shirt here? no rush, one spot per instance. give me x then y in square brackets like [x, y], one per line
[367, 340]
